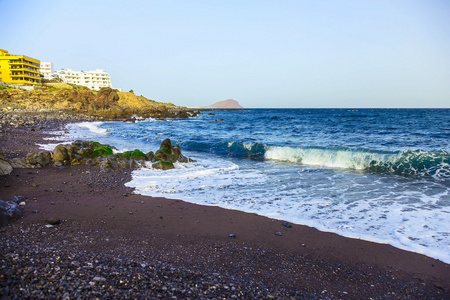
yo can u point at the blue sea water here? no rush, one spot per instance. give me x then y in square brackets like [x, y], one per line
[377, 174]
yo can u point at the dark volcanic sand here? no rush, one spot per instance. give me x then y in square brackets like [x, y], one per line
[112, 243]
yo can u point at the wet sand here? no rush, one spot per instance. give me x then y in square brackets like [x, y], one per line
[112, 243]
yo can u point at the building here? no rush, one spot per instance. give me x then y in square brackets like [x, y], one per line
[19, 70]
[46, 69]
[94, 80]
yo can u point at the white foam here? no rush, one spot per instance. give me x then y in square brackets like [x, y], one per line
[94, 127]
[51, 146]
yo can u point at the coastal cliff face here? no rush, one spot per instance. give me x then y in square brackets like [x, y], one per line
[230, 103]
[106, 103]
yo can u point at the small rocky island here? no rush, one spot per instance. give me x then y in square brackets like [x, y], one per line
[230, 103]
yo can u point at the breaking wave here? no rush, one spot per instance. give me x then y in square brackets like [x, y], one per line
[434, 163]
[417, 162]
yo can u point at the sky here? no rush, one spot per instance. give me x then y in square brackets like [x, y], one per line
[264, 53]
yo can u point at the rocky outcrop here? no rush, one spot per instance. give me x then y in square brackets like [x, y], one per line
[96, 154]
[106, 103]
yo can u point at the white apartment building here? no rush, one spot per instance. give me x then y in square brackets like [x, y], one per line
[93, 80]
[46, 69]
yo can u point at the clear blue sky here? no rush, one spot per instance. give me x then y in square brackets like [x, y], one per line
[291, 53]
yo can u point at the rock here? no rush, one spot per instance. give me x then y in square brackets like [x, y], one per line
[150, 155]
[19, 163]
[166, 145]
[53, 221]
[61, 156]
[287, 224]
[170, 153]
[9, 211]
[160, 155]
[163, 165]
[72, 151]
[109, 164]
[99, 279]
[5, 167]
[278, 233]
[86, 153]
[39, 160]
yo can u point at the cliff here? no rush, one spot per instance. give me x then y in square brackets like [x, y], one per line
[230, 103]
[106, 103]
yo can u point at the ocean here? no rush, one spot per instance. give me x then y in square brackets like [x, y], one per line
[381, 175]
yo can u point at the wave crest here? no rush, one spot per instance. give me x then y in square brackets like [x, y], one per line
[433, 163]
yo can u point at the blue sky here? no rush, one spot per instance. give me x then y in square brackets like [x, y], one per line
[263, 53]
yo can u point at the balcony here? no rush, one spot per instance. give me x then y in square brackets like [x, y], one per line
[21, 67]
[20, 61]
[25, 74]
[25, 80]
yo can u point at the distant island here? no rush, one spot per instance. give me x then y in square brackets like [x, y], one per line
[230, 103]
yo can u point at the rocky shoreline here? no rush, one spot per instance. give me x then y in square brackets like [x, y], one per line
[108, 242]
[83, 104]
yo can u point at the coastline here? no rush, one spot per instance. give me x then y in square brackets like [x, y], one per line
[102, 220]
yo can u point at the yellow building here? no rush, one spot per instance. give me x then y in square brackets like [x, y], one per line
[19, 70]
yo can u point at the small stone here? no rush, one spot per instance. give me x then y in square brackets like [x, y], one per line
[287, 224]
[48, 226]
[278, 233]
[99, 279]
[35, 211]
[232, 235]
[22, 203]
[53, 221]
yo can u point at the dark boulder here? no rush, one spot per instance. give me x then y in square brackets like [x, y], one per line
[166, 146]
[170, 153]
[9, 211]
[61, 156]
[39, 160]
[5, 167]
[163, 165]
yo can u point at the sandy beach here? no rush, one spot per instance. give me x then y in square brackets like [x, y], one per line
[112, 243]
